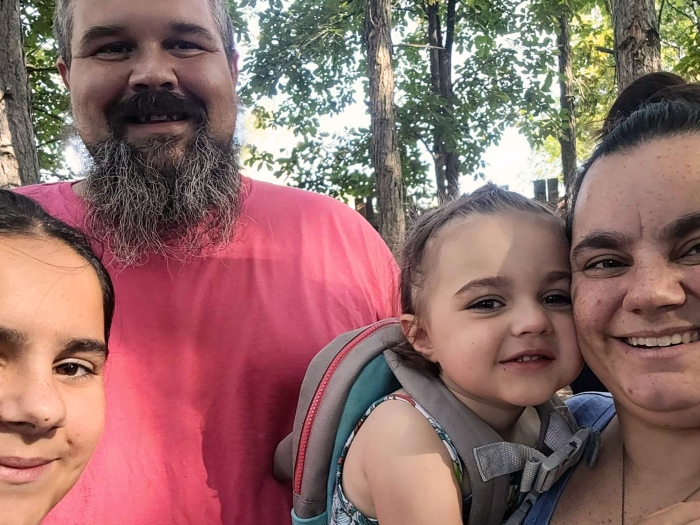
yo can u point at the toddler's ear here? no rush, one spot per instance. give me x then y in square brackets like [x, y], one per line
[417, 336]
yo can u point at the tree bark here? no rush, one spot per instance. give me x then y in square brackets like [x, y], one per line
[385, 152]
[18, 159]
[567, 139]
[445, 157]
[637, 42]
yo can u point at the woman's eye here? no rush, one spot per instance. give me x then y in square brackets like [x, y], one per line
[485, 304]
[557, 299]
[604, 264]
[73, 369]
[693, 251]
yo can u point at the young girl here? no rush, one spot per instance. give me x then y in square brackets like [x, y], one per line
[56, 304]
[486, 307]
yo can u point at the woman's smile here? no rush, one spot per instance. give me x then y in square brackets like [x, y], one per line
[20, 471]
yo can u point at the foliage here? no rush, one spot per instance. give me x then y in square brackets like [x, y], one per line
[310, 58]
[49, 97]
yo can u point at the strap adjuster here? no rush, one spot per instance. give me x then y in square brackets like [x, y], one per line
[560, 460]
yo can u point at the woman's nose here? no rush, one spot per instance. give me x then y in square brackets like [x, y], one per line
[30, 403]
[655, 286]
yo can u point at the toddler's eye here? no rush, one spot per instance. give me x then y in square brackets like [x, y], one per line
[486, 304]
[557, 299]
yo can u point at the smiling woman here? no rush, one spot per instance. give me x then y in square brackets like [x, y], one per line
[635, 261]
[56, 305]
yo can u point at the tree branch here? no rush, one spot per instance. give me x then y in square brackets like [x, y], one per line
[47, 113]
[32, 69]
[605, 50]
[420, 46]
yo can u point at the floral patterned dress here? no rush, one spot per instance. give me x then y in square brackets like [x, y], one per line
[343, 511]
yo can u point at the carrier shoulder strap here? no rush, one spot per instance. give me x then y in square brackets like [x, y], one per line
[467, 431]
[487, 457]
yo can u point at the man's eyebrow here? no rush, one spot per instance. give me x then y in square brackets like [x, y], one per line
[681, 226]
[597, 240]
[187, 28]
[97, 32]
[12, 337]
[483, 282]
[75, 346]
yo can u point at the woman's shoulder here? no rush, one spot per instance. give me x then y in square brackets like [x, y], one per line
[592, 409]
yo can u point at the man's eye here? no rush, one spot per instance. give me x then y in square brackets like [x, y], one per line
[114, 49]
[186, 46]
[73, 369]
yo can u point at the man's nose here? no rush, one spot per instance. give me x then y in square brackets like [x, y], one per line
[30, 402]
[153, 69]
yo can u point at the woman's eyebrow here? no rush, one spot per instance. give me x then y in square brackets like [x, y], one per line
[681, 227]
[12, 337]
[601, 240]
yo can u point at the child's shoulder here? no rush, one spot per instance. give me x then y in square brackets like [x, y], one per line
[399, 420]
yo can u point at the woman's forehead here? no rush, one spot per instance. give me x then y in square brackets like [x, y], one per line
[641, 190]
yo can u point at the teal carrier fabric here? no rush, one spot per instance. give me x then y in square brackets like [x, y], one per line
[357, 369]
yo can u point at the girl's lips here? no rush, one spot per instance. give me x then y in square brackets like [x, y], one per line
[20, 471]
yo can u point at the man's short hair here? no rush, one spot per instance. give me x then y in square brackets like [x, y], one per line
[63, 27]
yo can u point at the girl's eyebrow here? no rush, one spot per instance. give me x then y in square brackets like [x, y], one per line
[76, 346]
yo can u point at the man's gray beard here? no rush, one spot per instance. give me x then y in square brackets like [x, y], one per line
[160, 200]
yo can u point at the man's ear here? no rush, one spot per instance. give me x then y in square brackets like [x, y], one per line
[418, 336]
[233, 66]
[64, 70]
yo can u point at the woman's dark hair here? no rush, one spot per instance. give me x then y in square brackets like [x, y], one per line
[20, 215]
[655, 106]
[415, 257]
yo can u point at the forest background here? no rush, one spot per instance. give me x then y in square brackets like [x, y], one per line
[425, 87]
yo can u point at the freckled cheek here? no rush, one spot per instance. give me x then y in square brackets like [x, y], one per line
[86, 413]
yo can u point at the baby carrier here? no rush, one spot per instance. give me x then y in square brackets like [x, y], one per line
[358, 368]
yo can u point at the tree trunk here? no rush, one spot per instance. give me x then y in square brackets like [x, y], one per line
[637, 42]
[385, 152]
[567, 138]
[445, 157]
[18, 159]
[435, 44]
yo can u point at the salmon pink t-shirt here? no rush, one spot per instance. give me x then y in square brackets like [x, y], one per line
[207, 357]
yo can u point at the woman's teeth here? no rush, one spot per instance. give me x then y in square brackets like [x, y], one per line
[666, 340]
[526, 358]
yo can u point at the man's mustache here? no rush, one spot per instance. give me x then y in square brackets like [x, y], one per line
[143, 107]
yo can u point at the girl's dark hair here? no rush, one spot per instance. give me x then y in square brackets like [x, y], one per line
[655, 106]
[414, 257]
[20, 215]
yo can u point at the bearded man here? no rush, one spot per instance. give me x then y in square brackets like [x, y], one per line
[226, 287]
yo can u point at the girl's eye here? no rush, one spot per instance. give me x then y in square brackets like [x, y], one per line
[557, 299]
[486, 304]
[73, 369]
